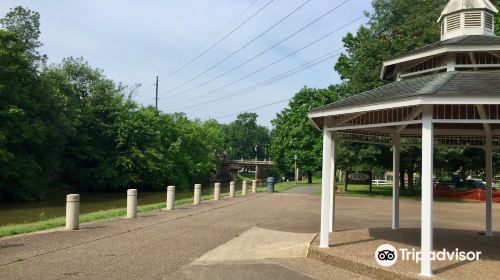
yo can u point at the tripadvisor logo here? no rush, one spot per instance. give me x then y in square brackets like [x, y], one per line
[387, 255]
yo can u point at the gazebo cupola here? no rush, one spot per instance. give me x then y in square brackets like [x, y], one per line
[467, 17]
[468, 42]
[446, 94]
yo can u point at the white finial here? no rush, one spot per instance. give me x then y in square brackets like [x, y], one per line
[467, 17]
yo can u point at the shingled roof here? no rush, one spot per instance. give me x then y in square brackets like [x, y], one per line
[446, 84]
[468, 40]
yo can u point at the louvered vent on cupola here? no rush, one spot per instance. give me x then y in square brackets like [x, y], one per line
[489, 21]
[473, 19]
[453, 23]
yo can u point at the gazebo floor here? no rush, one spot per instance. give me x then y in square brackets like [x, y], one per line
[354, 250]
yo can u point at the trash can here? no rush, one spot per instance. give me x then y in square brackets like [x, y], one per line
[270, 184]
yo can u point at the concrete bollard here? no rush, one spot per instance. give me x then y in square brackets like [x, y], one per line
[170, 197]
[72, 211]
[254, 186]
[231, 189]
[197, 194]
[244, 186]
[217, 191]
[132, 203]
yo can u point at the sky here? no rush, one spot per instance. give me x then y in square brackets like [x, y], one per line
[195, 47]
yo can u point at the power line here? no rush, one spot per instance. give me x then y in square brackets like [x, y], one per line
[214, 35]
[239, 49]
[218, 41]
[272, 80]
[253, 109]
[254, 57]
[272, 63]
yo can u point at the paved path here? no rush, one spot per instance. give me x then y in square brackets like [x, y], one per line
[166, 244]
[160, 244]
[310, 189]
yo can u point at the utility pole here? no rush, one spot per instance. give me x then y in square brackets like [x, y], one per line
[295, 157]
[156, 98]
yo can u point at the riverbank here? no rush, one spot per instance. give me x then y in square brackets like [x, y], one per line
[52, 223]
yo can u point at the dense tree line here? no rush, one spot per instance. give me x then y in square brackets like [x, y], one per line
[69, 125]
[244, 138]
[394, 27]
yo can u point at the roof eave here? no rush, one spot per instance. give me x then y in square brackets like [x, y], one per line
[421, 100]
[440, 50]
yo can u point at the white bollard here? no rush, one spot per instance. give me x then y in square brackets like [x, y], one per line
[231, 189]
[254, 186]
[217, 191]
[197, 194]
[170, 197]
[72, 211]
[132, 203]
[244, 186]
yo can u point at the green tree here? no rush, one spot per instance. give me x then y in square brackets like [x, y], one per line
[294, 134]
[32, 128]
[243, 135]
[25, 25]
[395, 26]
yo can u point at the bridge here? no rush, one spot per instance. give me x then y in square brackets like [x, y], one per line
[229, 168]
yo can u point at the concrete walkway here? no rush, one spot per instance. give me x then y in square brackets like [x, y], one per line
[170, 244]
[309, 189]
[163, 244]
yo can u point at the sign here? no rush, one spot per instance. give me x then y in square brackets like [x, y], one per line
[359, 178]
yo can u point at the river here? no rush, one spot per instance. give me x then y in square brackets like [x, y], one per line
[54, 205]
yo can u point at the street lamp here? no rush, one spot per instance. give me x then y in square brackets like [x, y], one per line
[256, 146]
[295, 157]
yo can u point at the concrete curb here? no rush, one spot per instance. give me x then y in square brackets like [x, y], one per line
[319, 254]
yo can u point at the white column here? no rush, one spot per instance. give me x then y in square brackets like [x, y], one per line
[489, 178]
[427, 191]
[244, 187]
[333, 183]
[325, 190]
[217, 191]
[197, 194]
[132, 203]
[396, 147]
[72, 211]
[232, 188]
[170, 197]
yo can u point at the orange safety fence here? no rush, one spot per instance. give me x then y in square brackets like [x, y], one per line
[477, 194]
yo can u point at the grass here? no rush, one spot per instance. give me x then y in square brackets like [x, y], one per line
[45, 224]
[377, 191]
[284, 186]
[385, 191]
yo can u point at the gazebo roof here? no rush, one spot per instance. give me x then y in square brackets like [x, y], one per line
[455, 82]
[446, 84]
[462, 41]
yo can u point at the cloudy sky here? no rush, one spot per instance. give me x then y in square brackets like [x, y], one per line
[195, 47]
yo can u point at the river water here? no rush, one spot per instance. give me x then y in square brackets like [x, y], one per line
[55, 205]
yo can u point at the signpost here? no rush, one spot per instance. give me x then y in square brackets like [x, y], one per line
[358, 178]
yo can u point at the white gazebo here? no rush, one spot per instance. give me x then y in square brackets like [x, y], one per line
[447, 93]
